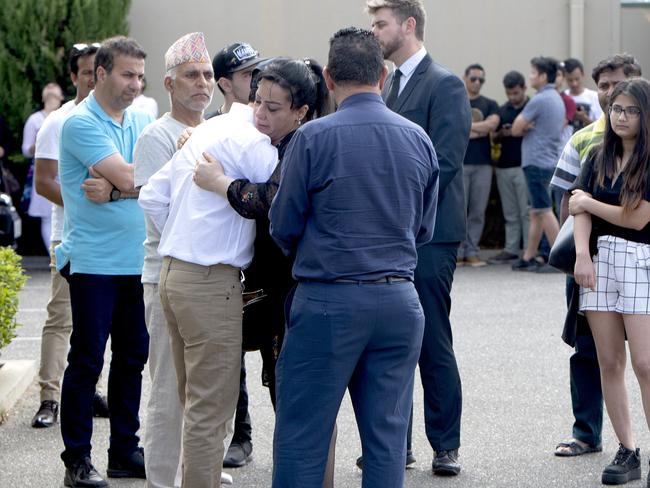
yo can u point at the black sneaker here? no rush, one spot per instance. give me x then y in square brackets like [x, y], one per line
[445, 463]
[525, 265]
[239, 454]
[503, 257]
[82, 474]
[410, 460]
[131, 466]
[625, 467]
[100, 406]
[544, 268]
[47, 415]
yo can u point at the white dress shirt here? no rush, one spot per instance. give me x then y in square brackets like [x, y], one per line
[408, 67]
[199, 226]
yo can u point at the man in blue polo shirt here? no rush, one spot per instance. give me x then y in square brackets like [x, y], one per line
[101, 256]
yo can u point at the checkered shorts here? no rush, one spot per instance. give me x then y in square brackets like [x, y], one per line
[622, 278]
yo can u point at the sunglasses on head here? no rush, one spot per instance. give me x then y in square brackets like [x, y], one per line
[474, 79]
[81, 47]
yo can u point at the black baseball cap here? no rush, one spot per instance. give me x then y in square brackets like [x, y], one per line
[236, 57]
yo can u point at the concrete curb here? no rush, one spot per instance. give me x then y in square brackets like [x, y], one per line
[15, 377]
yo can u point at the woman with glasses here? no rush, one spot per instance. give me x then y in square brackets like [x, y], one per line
[611, 205]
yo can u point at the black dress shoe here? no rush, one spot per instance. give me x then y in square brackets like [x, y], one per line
[410, 460]
[445, 463]
[238, 455]
[100, 406]
[82, 474]
[47, 415]
[131, 466]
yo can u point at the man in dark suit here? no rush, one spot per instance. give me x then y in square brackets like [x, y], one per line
[431, 96]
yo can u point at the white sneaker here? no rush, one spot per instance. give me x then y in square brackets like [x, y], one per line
[226, 479]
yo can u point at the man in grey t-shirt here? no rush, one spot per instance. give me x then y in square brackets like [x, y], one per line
[540, 124]
[189, 79]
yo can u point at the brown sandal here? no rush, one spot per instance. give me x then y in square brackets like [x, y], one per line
[573, 448]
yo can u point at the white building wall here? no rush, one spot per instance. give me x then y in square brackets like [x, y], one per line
[499, 34]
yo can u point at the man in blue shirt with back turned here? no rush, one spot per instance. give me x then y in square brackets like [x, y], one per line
[101, 256]
[358, 194]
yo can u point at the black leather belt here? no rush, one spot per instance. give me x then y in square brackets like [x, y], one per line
[385, 279]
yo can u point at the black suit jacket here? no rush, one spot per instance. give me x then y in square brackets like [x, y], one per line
[436, 100]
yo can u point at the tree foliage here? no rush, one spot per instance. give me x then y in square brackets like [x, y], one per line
[35, 39]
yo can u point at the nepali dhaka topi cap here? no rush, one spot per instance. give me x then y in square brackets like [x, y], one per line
[188, 49]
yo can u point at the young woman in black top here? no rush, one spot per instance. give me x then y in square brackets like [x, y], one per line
[612, 212]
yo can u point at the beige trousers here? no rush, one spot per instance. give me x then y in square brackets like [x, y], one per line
[55, 338]
[203, 308]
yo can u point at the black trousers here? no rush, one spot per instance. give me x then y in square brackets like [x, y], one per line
[243, 428]
[434, 276]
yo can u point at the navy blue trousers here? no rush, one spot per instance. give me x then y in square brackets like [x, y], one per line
[103, 305]
[441, 384]
[362, 337]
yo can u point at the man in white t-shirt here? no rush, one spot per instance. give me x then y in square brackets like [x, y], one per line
[205, 244]
[587, 106]
[58, 325]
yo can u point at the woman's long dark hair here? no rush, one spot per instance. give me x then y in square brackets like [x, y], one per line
[635, 174]
[304, 80]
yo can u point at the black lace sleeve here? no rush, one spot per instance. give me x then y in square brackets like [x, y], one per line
[253, 200]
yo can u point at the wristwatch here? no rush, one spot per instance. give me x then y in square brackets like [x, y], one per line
[115, 195]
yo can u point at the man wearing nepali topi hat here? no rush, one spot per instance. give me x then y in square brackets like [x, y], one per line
[189, 80]
[205, 244]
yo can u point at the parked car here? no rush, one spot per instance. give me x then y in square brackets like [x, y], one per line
[10, 223]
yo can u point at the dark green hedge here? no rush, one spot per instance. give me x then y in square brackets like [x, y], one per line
[35, 38]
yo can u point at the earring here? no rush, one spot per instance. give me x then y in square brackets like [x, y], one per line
[299, 122]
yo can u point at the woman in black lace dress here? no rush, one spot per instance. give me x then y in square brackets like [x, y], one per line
[289, 93]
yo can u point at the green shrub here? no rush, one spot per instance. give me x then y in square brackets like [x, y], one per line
[35, 39]
[12, 280]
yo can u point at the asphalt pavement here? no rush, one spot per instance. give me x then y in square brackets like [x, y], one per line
[513, 364]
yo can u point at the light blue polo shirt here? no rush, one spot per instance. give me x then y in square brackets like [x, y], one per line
[102, 238]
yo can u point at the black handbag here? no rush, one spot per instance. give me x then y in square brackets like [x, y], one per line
[563, 252]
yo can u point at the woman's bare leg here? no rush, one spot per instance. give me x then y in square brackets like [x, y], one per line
[638, 338]
[609, 334]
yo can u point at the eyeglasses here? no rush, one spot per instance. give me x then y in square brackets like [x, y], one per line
[81, 47]
[474, 79]
[630, 112]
